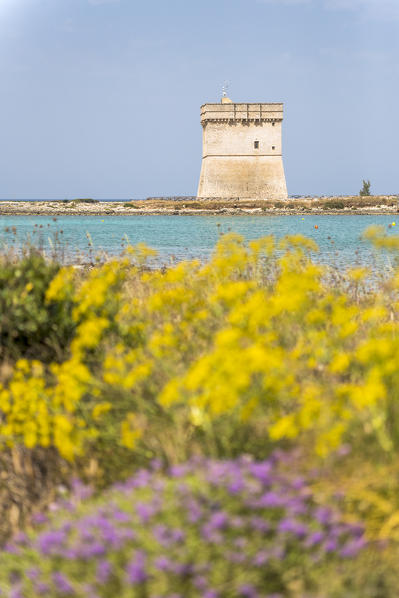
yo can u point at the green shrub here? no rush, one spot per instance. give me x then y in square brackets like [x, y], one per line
[333, 205]
[86, 200]
[28, 327]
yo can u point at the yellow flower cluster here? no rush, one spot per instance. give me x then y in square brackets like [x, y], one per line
[40, 414]
[260, 337]
[59, 405]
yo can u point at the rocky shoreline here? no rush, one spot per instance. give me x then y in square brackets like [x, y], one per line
[301, 206]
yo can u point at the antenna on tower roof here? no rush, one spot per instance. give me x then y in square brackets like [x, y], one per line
[225, 89]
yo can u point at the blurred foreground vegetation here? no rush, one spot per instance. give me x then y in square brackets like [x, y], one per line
[112, 369]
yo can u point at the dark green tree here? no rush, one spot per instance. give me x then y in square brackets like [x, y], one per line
[365, 191]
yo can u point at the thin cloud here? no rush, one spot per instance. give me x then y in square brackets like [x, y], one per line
[371, 8]
[375, 8]
[285, 2]
[355, 4]
[99, 2]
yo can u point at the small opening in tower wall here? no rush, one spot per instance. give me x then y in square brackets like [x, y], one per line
[273, 147]
[256, 144]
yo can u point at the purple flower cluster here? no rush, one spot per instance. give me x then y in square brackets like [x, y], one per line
[206, 528]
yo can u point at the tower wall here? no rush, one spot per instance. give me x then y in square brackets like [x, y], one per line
[242, 151]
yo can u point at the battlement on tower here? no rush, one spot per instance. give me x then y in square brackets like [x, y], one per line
[250, 113]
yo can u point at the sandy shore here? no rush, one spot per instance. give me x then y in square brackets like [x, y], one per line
[300, 206]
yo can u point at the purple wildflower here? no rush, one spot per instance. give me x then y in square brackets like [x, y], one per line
[323, 515]
[136, 569]
[218, 520]
[178, 535]
[162, 563]
[21, 538]
[41, 588]
[66, 527]
[261, 471]
[62, 584]
[236, 557]
[71, 554]
[80, 490]
[121, 516]
[236, 486]
[184, 569]
[248, 591]
[298, 483]
[293, 527]
[237, 522]
[344, 450]
[241, 542]
[89, 551]
[51, 542]
[156, 464]
[179, 471]
[261, 558]
[145, 511]
[141, 479]
[313, 539]
[104, 571]
[355, 529]
[39, 518]
[166, 536]
[33, 574]
[194, 510]
[259, 524]
[270, 500]
[331, 545]
[200, 582]
[16, 592]
[252, 510]
[89, 591]
[352, 549]
[296, 506]
[160, 532]
[211, 535]
[277, 552]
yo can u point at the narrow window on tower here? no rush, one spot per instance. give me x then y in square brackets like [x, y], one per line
[256, 144]
[273, 147]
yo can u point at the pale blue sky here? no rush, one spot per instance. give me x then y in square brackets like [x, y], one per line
[101, 98]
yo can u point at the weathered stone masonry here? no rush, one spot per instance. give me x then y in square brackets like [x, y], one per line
[242, 151]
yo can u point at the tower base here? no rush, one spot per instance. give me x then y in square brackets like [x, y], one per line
[244, 177]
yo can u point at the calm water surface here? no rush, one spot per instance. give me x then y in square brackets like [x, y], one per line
[184, 237]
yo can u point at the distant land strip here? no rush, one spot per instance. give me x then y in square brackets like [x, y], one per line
[381, 204]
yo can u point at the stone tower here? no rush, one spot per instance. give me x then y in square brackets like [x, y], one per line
[242, 151]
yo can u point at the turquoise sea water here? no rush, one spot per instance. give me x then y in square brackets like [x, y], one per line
[184, 237]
